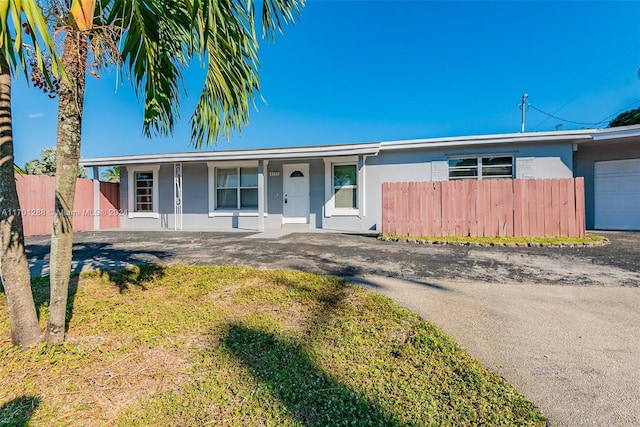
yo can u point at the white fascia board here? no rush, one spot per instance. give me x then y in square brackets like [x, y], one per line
[579, 136]
[574, 136]
[632, 131]
[220, 156]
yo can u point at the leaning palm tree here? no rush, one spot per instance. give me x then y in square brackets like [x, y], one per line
[112, 174]
[159, 39]
[17, 20]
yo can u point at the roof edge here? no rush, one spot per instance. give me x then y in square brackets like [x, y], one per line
[371, 148]
[259, 154]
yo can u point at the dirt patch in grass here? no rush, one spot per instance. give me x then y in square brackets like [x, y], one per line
[185, 345]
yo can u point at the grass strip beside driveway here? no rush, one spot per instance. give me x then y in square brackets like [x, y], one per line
[184, 345]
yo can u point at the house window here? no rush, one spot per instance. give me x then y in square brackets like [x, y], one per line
[144, 191]
[237, 188]
[345, 186]
[487, 167]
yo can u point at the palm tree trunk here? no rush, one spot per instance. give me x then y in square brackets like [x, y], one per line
[14, 267]
[70, 104]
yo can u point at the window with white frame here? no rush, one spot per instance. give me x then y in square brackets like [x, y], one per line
[481, 167]
[143, 191]
[236, 188]
[345, 186]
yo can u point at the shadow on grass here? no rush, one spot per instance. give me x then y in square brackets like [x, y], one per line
[309, 394]
[16, 412]
[136, 276]
[40, 287]
[330, 299]
[121, 278]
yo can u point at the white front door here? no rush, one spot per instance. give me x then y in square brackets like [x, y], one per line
[295, 200]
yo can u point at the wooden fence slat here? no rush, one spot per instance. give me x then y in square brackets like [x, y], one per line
[438, 213]
[427, 209]
[548, 208]
[529, 208]
[506, 224]
[417, 209]
[385, 208]
[458, 199]
[572, 227]
[564, 208]
[396, 207]
[411, 207]
[402, 225]
[471, 206]
[454, 217]
[464, 208]
[508, 193]
[517, 207]
[405, 208]
[532, 207]
[540, 207]
[493, 220]
[580, 208]
[555, 211]
[391, 221]
[407, 204]
[481, 206]
[397, 210]
[487, 208]
[496, 198]
[446, 212]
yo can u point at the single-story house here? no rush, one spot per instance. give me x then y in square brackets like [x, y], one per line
[339, 187]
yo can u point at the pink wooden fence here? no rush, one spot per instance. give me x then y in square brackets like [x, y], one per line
[37, 196]
[109, 205]
[497, 207]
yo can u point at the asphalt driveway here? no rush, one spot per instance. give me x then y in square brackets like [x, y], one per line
[561, 324]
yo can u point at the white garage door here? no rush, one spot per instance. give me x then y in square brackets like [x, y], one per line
[617, 195]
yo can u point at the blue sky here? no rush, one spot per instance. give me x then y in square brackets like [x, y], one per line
[363, 71]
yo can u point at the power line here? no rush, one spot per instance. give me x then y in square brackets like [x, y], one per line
[549, 115]
[619, 111]
[589, 85]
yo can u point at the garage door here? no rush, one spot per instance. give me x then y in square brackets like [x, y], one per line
[617, 195]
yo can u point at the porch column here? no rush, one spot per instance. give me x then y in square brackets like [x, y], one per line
[177, 196]
[361, 189]
[261, 191]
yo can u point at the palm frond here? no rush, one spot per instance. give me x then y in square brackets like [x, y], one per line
[232, 79]
[163, 36]
[15, 13]
[277, 13]
[153, 53]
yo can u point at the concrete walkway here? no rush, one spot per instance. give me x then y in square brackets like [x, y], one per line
[561, 324]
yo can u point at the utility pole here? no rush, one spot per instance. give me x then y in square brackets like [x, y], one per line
[523, 107]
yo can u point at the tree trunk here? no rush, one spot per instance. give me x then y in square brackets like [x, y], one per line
[70, 104]
[14, 267]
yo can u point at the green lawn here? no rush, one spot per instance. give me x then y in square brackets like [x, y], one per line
[195, 346]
